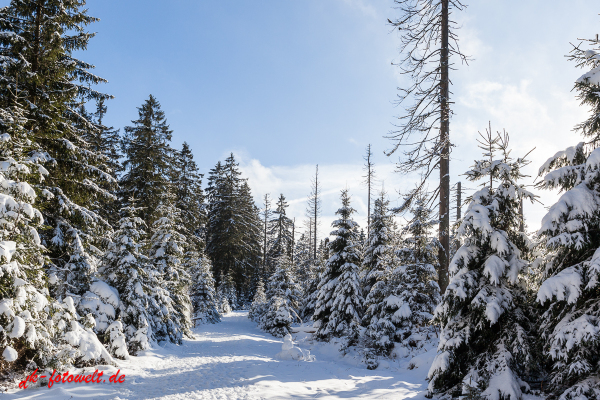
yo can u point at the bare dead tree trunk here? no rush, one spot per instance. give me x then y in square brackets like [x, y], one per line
[444, 230]
[310, 236]
[369, 180]
[267, 213]
[458, 201]
[316, 210]
[35, 63]
[521, 217]
[313, 209]
[428, 42]
[293, 240]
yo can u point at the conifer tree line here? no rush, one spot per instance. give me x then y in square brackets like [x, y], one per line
[103, 238]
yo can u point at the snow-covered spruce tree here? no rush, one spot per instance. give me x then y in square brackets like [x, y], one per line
[570, 293]
[339, 303]
[166, 255]
[379, 243]
[302, 259]
[106, 141]
[128, 270]
[148, 160]
[50, 89]
[279, 234]
[81, 281]
[283, 300]
[377, 268]
[257, 309]
[202, 291]
[75, 343]
[101, 302]
[311, 290]
[415, 298]
[27, 338]
[308, 274]
[222, 300]
[484, 344]
[190, 196]
[24, 296]
[230, 291]
[233, 232]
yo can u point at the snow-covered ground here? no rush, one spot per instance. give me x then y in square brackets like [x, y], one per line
[235, 360]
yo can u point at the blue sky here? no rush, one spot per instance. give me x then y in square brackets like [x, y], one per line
[289, 84]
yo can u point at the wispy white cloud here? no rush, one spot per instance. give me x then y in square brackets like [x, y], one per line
[294, 182]
[535, 118]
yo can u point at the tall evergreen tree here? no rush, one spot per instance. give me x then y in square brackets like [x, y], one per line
[280, 232]
[128, 270]
[379, 242]
[105, 140]
[50, 86]
[339, 304]
[22, 284]
[166, 255]
[234, 229]
[148, 159]
[189, 194]
[484, 343]
[418, 293]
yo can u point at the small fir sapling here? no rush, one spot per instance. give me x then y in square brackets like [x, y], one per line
[339, 303]
[203, 295]
[283, 300]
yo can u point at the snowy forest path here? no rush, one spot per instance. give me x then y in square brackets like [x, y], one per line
[235, 360]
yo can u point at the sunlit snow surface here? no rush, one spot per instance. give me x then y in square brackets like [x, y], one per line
[235, 360]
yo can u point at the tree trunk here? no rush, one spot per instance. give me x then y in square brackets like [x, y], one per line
[458, 202]
[267, 205]
[444, 230]
[35, 63]
[293, 241]
[316, 211]
[521, 217]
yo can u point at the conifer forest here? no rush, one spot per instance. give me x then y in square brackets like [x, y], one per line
[125, 251]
